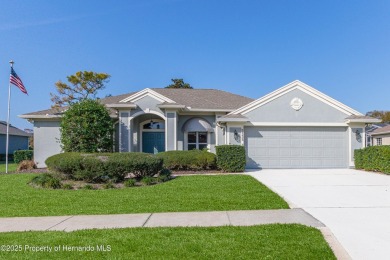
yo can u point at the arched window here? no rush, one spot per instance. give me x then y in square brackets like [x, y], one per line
[154, 125]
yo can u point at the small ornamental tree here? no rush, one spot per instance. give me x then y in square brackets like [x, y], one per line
[87, 127]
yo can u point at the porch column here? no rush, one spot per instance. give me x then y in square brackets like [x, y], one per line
[124, 131]
[170, 130]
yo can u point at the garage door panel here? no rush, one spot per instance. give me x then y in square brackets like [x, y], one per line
[296, 147]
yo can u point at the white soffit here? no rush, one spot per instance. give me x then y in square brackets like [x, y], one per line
[147, 92]
[296, 84]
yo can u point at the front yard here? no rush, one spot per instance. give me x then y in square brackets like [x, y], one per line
[256, 242]
[187, 193]
[11, 167]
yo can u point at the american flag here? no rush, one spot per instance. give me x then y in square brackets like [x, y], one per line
[15, 80]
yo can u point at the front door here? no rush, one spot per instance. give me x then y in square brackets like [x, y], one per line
[153, 142]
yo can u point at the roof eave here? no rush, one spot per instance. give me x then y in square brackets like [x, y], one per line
[208, 110]
[367, 121]
[121, 105]
[175, 106]
[227, 120]
[381, 133]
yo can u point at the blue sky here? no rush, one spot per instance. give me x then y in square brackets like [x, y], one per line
[250, 48]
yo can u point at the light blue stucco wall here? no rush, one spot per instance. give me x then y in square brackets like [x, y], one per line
[15, 143]
[356, 140]
[145, 103]
[46, 140]
[313, 110]
[232, 139]
[170, 131]
[180, 134]
[124, 132]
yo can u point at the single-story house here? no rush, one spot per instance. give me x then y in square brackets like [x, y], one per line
[371, 128]
[381, 136]
[295, 126]
[18, 139]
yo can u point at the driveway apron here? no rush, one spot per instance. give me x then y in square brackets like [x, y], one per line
[354, 204]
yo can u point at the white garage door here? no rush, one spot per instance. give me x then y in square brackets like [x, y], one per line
[296, 147]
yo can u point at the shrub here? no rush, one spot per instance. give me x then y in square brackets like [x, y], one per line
[147, 180]
[139, 164]
[373, 158]
[99, 167]
[231, 158]
[65, 163]
[67, 186]
[46, 180]
[22, 155]
[26, 165]
[129, 183]
[109, 185]
[86, 127]
[188, 160]
[88, 187]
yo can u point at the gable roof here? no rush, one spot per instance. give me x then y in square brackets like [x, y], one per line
[290, 87]
[192, 99]
[12, 130]
[382, 130]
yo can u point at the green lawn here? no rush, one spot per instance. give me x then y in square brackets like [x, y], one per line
[256, 242]
[11, 167]
[188, 193]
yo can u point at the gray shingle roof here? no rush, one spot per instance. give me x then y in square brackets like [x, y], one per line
[204, 98]
[194, 98]
[12, 130]
[382, 130]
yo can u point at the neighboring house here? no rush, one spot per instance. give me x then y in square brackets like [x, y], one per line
[295, 126]
[381, 136]
[18, 139]
[371, 128]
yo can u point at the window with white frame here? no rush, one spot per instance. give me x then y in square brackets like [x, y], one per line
[379, 141]
[197, 140]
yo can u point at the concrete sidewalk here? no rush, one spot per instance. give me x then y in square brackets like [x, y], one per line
[176, 219]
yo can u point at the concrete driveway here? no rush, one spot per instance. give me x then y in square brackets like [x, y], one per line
[354, 204]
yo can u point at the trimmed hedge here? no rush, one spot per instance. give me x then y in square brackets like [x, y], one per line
[104, 167]
[23, 155]
[231, 158]
[373, 158]
[188, 160]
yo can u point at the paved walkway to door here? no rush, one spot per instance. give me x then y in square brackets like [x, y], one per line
[355, 205]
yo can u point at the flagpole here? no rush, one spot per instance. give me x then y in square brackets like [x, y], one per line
[9, 108]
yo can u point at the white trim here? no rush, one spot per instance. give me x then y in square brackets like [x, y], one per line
[227, 133]
[121, 105]
[292, 86]
[352, 121]
[216, 130]
[294, 124]
[364, 137]
[351, 163]
[233, 120]
[208, 110]
[148, 112]
[144, 93]
[197, 140]
[40, 116]
[242, 136]
[130, 127]
[175, 131]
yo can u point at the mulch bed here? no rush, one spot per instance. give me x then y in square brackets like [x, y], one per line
[205, 172]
